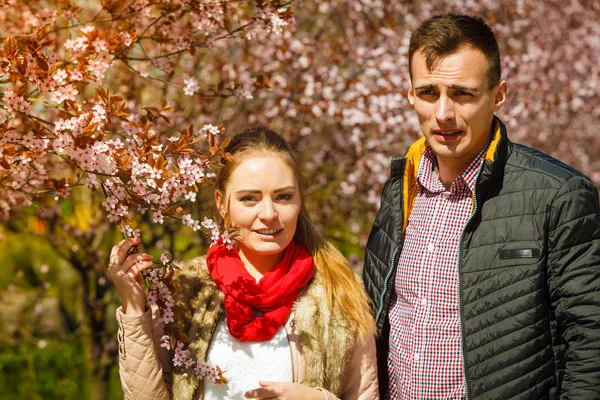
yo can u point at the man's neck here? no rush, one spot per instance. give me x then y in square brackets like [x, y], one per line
[447, 169]
[447, 173]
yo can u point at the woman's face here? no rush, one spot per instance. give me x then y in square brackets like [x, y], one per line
[263, 199]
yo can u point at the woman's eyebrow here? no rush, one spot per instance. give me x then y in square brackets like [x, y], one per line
[256, 191]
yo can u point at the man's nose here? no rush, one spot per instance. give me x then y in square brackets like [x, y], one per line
[445, 109]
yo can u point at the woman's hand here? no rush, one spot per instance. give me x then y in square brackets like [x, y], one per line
[125, 270]
[284, 391]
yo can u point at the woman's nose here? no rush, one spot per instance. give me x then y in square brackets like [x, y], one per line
[267, 210]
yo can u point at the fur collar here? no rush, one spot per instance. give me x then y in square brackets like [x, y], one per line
[326, 337]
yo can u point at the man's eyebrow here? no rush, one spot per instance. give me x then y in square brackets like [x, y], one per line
[453, 87]
[464, 88]
[426, 87]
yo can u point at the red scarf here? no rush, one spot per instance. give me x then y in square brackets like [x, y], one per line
[273, 295]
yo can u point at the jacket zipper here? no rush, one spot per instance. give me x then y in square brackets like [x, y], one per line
[460, 243]
[385, 284]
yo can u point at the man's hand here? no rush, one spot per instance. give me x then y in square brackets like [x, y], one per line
[284, 391]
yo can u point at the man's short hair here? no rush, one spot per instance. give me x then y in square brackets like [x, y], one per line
[443, 35]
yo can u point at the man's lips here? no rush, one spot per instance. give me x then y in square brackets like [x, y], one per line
[447, 135]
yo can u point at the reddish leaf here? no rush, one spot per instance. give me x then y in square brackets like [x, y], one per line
[182, 337]
[41, 63]
[4, 163]
[160, 162]
[103, 94]
[11, 46]
[46, 43]
[225, 142]
[43, 31]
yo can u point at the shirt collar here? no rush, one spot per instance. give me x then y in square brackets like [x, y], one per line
[430, 181]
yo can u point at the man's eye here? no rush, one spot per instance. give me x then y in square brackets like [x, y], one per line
[461, 93]
[426, 92]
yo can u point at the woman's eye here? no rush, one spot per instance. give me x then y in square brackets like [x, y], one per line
[285, 197]
[247, 199]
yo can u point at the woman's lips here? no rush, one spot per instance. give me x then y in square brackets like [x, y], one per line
[268, 233]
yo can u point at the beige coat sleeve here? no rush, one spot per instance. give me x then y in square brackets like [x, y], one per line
[360, 382]
[144, 366]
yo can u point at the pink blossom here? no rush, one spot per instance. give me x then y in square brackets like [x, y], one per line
[100, 46]
[14, 102]
[130, 232]
[165, 258]
[76, 75]
[208, 128]
[60, 76]
[187, 220]
[191, 86]
[77, 45]
[165, 342]
[126, 37]
[63, 93]
[158, 217]
[168, 315]
[191, 196]
[181, 356]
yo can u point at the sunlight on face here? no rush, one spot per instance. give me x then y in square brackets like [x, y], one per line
[263, 199]
[455, 104]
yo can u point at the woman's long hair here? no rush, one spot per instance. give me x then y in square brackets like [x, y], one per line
[341, 287]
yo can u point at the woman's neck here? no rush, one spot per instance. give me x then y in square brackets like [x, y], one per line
[258, 265]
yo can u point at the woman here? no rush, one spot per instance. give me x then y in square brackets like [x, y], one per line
[282, 314]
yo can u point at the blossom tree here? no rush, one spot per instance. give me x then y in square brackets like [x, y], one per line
[63, 126]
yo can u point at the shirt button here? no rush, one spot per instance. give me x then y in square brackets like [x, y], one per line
[423, 301]
[431, 247]
[416, 356]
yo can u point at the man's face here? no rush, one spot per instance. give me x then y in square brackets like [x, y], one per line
[455, 104]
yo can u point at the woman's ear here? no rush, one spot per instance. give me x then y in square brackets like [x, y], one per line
[219, 203]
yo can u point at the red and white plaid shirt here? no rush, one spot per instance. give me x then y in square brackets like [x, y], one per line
[425, 358]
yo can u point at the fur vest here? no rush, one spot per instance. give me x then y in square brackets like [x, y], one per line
[326, 337]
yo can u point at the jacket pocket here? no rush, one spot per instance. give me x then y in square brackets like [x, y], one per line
[521, 254]
[504, 255]
[507, 256]
[517, 256]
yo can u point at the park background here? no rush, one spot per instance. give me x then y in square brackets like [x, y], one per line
[329, 75]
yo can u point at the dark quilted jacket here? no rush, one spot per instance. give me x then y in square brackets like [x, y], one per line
[529, 274]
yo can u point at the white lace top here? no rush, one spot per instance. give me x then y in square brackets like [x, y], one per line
[245, 363]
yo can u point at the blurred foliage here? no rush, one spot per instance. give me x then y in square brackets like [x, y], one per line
[43, 327]
[56, 371]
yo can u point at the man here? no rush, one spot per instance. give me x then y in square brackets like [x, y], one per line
[483, 264]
